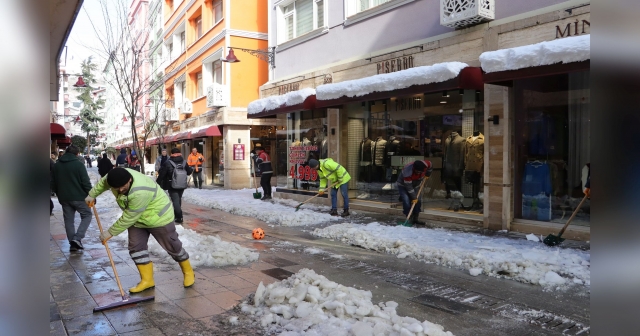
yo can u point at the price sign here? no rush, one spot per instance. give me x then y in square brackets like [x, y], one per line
[238, 151]
[303, 173]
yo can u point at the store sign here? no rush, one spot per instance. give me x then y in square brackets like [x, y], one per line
[396, 64]
[288, 88]
[298, 154]
[575, 28]
[238, 152]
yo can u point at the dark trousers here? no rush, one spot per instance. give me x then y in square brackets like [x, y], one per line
[69, 209]
[176, 199]
[166, 236]
[406, 202]
[197, 178]
[265, 183]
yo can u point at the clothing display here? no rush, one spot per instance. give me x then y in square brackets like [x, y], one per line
[536, 179]
[454, 154]
[474, 153]
[378, 150]
[365, 152]
[393, 148]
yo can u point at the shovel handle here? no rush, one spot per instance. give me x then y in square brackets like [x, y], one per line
[418, 195]
[318, 194]
[573, 215]
[115, 271]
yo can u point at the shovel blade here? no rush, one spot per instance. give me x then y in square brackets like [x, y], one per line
[123, 303]
[553, 240]
[257, 195]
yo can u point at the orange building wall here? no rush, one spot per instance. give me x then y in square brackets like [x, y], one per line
[249, 74]
[251, 15]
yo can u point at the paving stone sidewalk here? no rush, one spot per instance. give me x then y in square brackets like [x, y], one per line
[80, 281]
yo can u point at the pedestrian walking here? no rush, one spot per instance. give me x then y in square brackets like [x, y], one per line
[104, 165]
[71, 183]
[263, 161]
[409, 178]
[160, 161]
[146, 211]
[195, 161]
[87, 158]
[329, 170]
[121, 160]
[133, 162]
[172, 177]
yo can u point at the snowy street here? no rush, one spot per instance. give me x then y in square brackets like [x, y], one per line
[356, 276]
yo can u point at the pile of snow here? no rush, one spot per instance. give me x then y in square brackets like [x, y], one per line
[423, 75]
[309, 304]
[242, 203]
[521, 260]
[566, 50]
[274, 102]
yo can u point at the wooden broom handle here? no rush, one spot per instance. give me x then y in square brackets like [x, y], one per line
[575, 212]
[115, 271]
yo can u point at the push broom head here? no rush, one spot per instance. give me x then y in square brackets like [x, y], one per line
[126, 302]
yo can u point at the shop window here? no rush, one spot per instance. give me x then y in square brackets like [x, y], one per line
[199, 88]
[301, 17]
[217, 11]
[386, 135]
[552, 147]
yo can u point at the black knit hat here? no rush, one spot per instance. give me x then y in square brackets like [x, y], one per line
[313, 163]
[419, 166]
[118, 177]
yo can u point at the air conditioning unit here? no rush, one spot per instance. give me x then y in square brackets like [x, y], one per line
[171, 114]
[464, 13]
[186, 108]
[217, 95]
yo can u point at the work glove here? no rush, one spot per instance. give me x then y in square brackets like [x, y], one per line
[587, 191]
[252, 155]
[90, 201]
[104, 236]
[157, 174]
[321, 192]
[415, 201]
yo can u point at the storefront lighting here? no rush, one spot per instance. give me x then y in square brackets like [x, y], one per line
[267, 55]
[445, 94]
[461, 110]
[443, 102]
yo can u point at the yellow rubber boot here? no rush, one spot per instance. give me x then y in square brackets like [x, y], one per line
[146, 278]
[189, 277]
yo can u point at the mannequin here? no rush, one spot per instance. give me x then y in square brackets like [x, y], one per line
[393, 148]
[378, 151]
[453, 167]
[474, 164]
[365, 160]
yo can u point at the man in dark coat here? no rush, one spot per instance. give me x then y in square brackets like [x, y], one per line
[165, 176]
[121, 161]
[70, 182]
[104, 165]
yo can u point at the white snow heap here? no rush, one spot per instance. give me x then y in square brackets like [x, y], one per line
[520, 260]
[310, 304]
[565, 50]
[274, 102]
[436, 73]
[242, 203]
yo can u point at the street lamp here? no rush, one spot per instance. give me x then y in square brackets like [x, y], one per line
[80, 83]
[268, 55]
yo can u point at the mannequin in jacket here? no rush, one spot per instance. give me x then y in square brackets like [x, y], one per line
[454, 154]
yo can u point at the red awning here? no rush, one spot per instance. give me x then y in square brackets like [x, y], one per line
[308, 104]
[207, 132]
[64, 142]
[57, 131]
[170, 138]
[151, 142]
[505, 77]
[469, 78]
[182, 136]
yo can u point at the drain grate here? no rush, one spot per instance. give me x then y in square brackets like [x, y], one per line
[276, 261]
[443, 304]
[278, 273]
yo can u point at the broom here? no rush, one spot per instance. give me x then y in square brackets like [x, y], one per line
[125, 299]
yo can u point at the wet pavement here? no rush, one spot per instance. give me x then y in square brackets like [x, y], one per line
[463, 304]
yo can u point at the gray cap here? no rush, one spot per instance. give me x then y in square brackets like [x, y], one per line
[313, 163]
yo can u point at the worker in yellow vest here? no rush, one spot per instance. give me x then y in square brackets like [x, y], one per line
[329, 170]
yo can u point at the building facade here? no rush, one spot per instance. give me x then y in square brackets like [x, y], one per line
[494, 93]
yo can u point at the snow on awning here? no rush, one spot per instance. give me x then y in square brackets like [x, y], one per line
[293, 101]
[557, 54]
[431, 78]
[206, 131]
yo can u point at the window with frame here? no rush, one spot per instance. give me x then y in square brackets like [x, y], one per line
[199, 88]
[198, 26]
[301, 17]
[216, 74]
[183, 88]
[170, 47]
[182, 42]
[217, 11]
[357, 6]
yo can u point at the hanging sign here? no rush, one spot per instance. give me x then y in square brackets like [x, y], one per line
[238, 151]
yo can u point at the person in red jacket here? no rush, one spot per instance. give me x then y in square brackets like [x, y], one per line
[409, 178]
[263, 161]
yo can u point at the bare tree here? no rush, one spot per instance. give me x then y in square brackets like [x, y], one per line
[125, 47]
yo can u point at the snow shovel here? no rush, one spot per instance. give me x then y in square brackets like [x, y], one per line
[327, 188]
[553, 240]
[125, 299]
[406, 222]
[257, 194]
